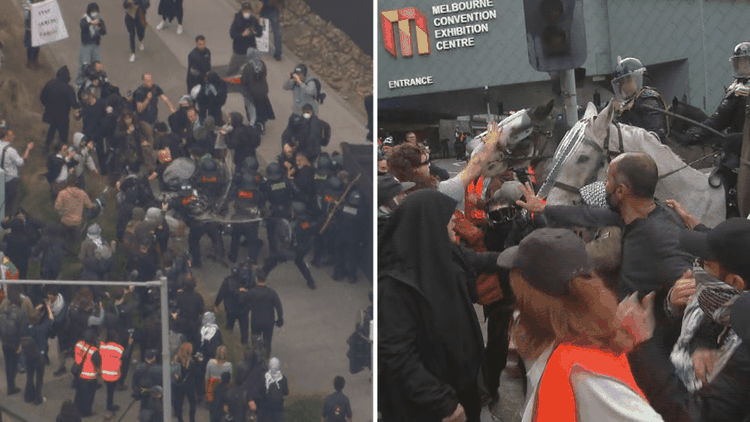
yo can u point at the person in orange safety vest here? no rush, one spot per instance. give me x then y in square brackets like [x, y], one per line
[86, 354]
[570, 334]
[111, 353]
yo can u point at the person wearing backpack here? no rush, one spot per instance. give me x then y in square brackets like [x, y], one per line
[10, 162]
[336, 407]
[304, 89]
[12, 323]
[271, 406]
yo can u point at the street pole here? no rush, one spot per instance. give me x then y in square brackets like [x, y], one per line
[165, 356]
[568, 88]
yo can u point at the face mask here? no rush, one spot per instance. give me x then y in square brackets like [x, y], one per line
[246, 15]
[94, 15]
[307, 115]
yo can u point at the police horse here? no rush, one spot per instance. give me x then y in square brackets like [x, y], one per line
[583, 155]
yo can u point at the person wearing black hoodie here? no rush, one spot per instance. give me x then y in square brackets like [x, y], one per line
[58, 97]
[92, 30]
[243, 139]
[243, 31]
[17, 247]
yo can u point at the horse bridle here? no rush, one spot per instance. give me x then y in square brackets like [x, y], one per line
[603, 149]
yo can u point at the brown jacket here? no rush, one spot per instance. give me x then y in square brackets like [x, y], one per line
[70, 203]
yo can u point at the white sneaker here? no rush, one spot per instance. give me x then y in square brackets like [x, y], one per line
[160, 25]
[179, 29]
[132, 58]
[141, 46]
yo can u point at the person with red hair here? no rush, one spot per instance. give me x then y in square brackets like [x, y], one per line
[570, 335]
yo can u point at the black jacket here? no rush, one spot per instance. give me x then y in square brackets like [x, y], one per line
[199, 64]
[244, 140]
[240, 44]
[86, 37]
[234, 300]
[58, 97]
[263, 300]
[651, 257]
[93, 121]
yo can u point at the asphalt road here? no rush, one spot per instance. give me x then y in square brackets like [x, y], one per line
[312, 344]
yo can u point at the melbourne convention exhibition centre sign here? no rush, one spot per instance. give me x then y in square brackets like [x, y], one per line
[426, 46]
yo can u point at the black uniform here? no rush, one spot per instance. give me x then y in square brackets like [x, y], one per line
[635, 114]
[279, 192]
[190, 205]
[326, 200]
[302, 236]
[350, 221]
[248, 200]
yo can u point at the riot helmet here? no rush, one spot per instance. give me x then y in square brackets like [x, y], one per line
[247, 182]
[250, 165]
[336, 185]
[324, 162]
[741, 60]
[274, 171]
[628, 78]
[502, 209]
[337, 161]
[208, 166]
[299, 209]
[354, 198]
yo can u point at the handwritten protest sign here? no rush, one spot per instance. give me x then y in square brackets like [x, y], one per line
[47, 25]
[263, 41]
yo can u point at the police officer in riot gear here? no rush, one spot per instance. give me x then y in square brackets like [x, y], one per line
[729, 118]
[629, 88]
[248, 201]
[279, 193]
[350, 223]
[302, 235]
[210, 179]
[190, 205]
[323, 251]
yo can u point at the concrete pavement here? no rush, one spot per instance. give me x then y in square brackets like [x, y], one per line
[311, 346]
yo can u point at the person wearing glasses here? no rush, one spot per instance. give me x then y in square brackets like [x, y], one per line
[410, 162]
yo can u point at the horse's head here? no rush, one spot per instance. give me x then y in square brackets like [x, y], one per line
[523, 135]
[580, 158]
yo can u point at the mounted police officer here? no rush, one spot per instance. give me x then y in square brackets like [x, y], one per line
[729, 118]
[628, 87]
[248, 201]
[279, 192]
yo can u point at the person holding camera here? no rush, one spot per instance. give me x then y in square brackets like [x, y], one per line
[92, 30]
[303, 89]
[135, 22]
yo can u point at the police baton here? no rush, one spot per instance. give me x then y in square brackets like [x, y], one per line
[336, 205]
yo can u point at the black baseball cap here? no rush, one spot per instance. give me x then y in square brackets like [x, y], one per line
[727, 243]
[389, 187]
[548, 259]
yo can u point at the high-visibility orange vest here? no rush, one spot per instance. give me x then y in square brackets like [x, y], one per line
[555, 400]
[111, 354]
[88, 372]
[474, 211]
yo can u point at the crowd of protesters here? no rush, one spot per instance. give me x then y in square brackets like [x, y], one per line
[176, 178]
[622, 308]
